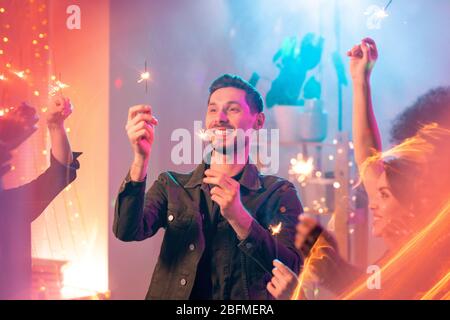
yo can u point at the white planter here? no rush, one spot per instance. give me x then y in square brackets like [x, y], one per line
[301, 123]
[286, 120]
[313, 122]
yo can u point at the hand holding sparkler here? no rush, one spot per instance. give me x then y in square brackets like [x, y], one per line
[283, 283]
[303, 229]
[226, 193]
[60, 109]
[308, 230]
[362, 59]
[57, 113]
[140, 131]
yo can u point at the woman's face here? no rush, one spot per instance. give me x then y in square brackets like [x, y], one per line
[384, 207]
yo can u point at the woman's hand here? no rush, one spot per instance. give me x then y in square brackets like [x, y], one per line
[362, 59]
[304, 227]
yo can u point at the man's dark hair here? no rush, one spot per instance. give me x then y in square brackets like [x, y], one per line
[433, 106]
[252, 96]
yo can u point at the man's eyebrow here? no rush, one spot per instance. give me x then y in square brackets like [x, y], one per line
[234, 102]
[211, 104]
[384, 188]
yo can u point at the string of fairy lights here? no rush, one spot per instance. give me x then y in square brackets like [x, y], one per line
[25, 72]
[303, 170]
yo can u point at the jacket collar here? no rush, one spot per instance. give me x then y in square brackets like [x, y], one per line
[249, 177]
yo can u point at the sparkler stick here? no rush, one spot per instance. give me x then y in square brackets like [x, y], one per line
[376, 14]
[387, 6]
[145, 76]
[275, 231]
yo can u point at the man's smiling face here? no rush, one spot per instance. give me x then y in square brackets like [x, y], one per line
[228, 111]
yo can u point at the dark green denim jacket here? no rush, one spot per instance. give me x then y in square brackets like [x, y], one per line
[174, 203]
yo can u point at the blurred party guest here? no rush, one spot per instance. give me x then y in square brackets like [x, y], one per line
[21, 205]
[409, 192]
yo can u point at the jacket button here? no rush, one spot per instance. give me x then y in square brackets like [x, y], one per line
[171, 217]
[192, 247]
[248, 245]
[282, 209]
[183, 282]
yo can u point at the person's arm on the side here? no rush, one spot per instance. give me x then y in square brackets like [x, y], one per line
[366, 135]
[36, 195]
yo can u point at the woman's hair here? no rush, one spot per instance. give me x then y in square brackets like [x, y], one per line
[431, 107]
[417, 170]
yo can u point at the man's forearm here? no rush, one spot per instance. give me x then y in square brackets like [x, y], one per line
[241, 225]
[138, 170]
[60, 145]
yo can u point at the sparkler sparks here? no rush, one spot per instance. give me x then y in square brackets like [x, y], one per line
[376, 15]
[56, 87]
[145, 76]
[204, 135]
[301, 168]
[20, 74]
[276, 229]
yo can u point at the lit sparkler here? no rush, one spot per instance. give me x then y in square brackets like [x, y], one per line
[204, 135]
[301, 168]
[56, 87]
[275, 231]
[20, 74]
[376, 15]
[145, 76]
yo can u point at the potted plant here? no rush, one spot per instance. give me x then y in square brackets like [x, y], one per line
[297, 108]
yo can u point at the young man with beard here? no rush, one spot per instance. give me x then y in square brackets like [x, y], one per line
[217, 243]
